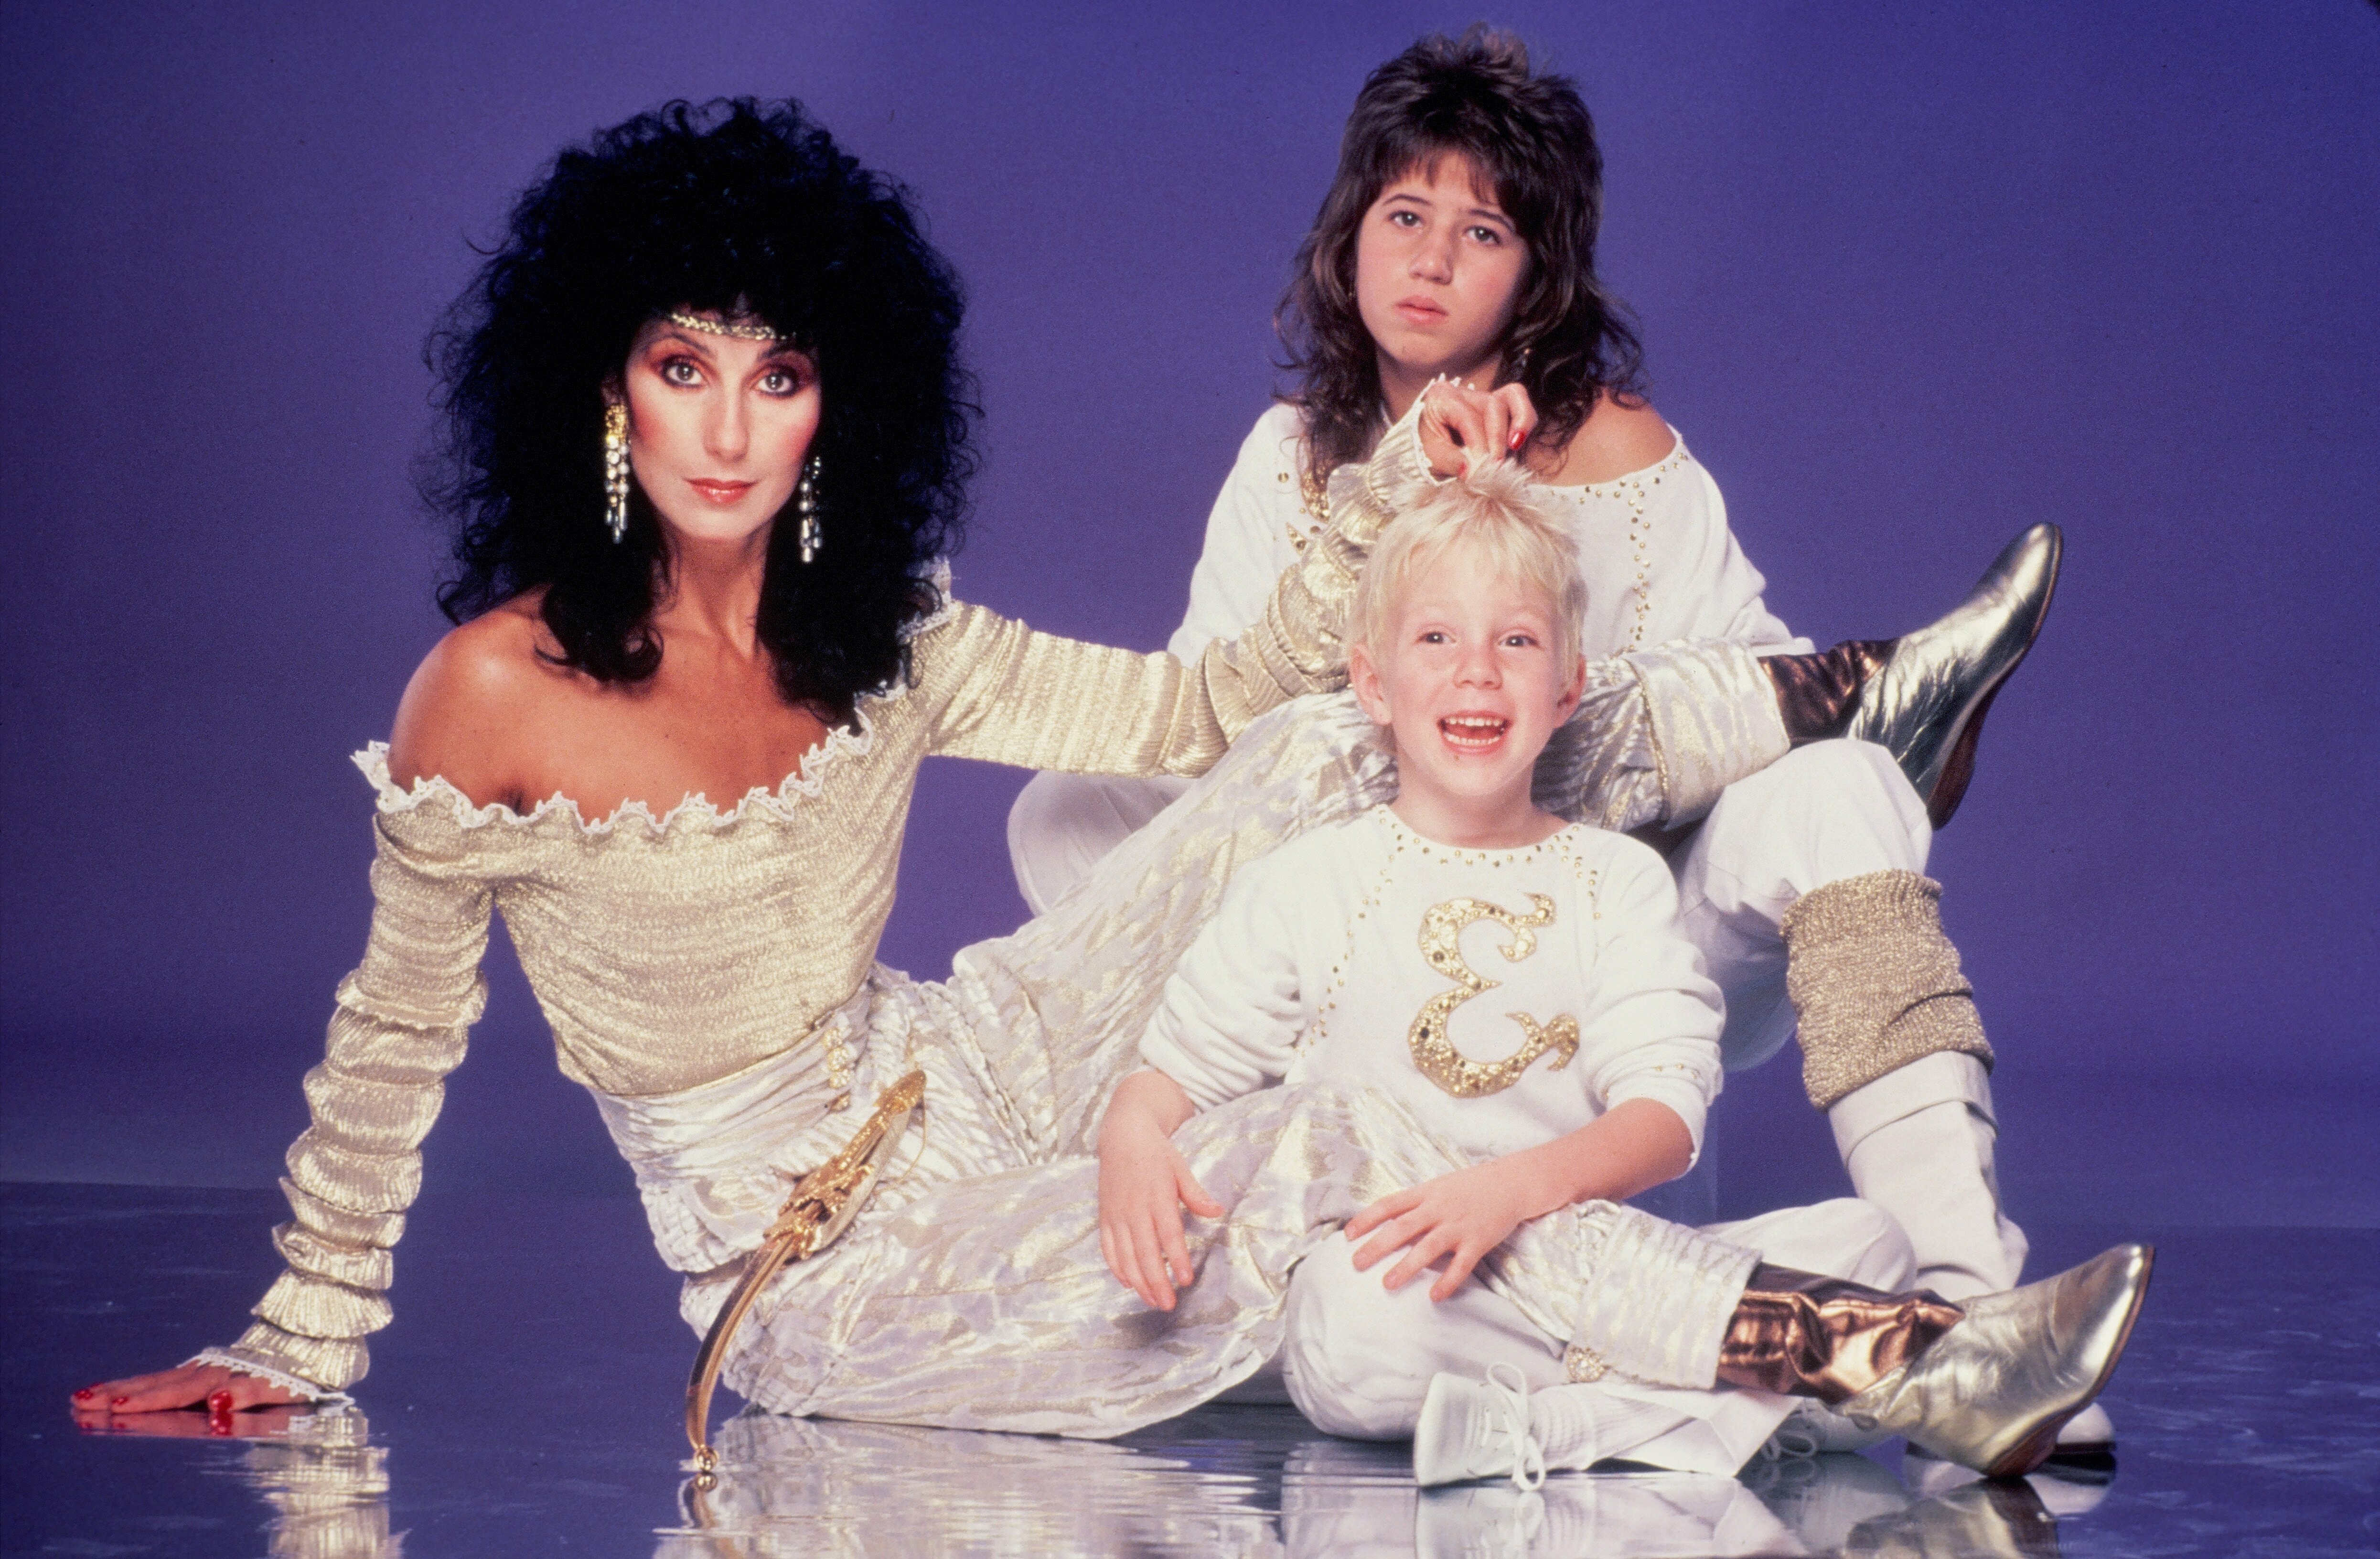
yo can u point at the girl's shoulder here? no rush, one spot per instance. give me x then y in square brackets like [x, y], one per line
[1619, 438]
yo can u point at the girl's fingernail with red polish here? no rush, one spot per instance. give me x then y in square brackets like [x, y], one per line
[220, 1403]
[86, 1394]
[117, 1401]
[1518, 439]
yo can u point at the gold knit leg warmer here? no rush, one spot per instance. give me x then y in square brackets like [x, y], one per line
[1875, 983]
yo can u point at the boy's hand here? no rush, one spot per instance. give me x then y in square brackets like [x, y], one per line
[1144, 1185]
[1459, 1216]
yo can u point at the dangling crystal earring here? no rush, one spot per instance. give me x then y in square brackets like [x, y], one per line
[805, 507]
[615, 468]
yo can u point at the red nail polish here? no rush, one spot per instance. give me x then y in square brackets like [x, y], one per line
[86, 1394]
[1512, 444]
[117, 1401]
[218, 1403]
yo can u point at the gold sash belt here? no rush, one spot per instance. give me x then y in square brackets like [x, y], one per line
[820, 1208]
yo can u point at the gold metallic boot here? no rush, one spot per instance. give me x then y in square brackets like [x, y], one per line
[1993, 1390]
[1801, 1334]
[1926, 705]
[1923, 696]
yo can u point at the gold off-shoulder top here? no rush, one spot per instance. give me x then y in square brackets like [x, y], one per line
[671, 951]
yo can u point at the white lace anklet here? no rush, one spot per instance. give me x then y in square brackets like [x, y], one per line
[296, 1385]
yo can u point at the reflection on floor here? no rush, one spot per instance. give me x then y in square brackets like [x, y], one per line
[525, 1404]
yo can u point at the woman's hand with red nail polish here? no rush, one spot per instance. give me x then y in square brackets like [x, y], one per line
[187, 1387]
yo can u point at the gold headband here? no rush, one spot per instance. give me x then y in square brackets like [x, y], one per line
[726, 328]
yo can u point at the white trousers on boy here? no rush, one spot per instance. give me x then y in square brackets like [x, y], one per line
[1357, 1358]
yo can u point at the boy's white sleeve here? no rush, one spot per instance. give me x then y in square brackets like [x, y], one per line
[1239, 560]
[1651, 1030]
[1229, 1020]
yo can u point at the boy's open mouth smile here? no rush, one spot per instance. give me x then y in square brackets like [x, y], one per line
[1472, 732]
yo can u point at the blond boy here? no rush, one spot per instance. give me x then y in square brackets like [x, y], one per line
[1520, 984]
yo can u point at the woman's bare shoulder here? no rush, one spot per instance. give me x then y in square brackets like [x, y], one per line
[477, 692]
[1619, 436]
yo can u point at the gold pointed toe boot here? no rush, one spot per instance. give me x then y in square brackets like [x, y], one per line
[1993, 1390]
[1926, 704]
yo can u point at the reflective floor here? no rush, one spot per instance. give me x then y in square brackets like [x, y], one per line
[525, 1403]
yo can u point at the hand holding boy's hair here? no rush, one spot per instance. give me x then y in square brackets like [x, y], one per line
[1459, 1217]
[1144, 1185]
[1462, 427]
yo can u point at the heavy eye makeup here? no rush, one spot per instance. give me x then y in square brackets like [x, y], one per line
[786, 377]
[781, 379]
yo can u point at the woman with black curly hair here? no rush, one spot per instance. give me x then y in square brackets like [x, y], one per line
[709, 433]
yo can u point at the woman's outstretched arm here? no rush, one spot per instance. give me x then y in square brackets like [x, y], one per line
[397, 1029]
[1044, 702]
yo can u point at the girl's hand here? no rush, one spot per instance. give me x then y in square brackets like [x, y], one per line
[1459, 1216]
[189, 1385]
[1462, 427]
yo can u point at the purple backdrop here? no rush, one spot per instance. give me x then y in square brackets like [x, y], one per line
[1910, 280]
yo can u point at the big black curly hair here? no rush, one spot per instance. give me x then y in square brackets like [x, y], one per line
[744, 208]
[1530, 134]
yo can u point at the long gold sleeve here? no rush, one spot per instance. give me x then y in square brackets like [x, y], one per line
[398, 1029]
[1040, 701]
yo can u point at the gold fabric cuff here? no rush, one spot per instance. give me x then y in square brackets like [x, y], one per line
[374, 1182]
[332, 1363]
[1875, 982]
[1713, 714]
[1299, 646]
[313, 1307]
[356, 1267]
[341, 1226]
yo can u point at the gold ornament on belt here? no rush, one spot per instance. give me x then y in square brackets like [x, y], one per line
[820, 1208]
[1441, 948]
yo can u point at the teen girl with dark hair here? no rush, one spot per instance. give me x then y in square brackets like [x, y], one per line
[1457, 240]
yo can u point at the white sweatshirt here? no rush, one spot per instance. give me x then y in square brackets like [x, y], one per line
[1509, 996]
[1661, 562]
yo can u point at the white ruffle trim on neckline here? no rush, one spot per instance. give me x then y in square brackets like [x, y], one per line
[808, 779]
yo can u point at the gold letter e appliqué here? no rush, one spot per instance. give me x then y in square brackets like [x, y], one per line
[1441, 948]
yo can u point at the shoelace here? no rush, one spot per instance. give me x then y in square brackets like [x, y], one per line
[1512, 1420]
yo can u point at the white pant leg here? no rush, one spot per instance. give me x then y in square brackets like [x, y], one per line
[1062, 825]
[1901, 1136]
[1822, 813]
[1918, 1141]
[1357, 1359]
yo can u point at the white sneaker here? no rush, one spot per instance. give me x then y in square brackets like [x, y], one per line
[1472, 1429]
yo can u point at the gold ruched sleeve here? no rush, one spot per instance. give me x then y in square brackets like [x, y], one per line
[1040, 701]
[397, 1029]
